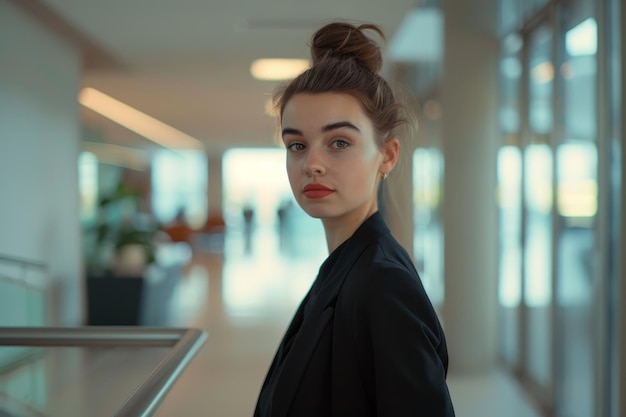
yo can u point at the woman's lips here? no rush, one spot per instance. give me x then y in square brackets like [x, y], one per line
[316, 191]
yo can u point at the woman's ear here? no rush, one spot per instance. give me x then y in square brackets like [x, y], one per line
[391, 150]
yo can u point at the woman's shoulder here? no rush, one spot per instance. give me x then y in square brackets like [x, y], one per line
[384, 265]
[385, 284]
[379, 262]
[387, 254]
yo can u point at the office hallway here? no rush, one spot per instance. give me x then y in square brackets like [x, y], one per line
[244, 298]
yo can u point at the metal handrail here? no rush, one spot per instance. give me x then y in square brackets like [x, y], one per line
[24, 262]
[145, 399]
[24, 265]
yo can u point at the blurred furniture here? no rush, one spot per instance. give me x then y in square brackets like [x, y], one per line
[210, 237]
[178, 232]
[144, 300]
[114, 300]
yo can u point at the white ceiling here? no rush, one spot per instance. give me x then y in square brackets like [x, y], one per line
[186, 62]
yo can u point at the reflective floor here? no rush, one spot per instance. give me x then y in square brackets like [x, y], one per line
[243, 292]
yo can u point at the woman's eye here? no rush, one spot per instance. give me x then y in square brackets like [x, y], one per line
[340, 144]
[295, 146]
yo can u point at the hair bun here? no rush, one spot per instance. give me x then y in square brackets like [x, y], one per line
[345, 41]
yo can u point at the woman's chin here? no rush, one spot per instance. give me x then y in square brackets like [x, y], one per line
[316, 212]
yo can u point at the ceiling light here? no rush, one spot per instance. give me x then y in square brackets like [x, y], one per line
[137, 121]
[278, 69]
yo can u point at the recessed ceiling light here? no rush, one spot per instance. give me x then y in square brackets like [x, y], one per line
[278, 69]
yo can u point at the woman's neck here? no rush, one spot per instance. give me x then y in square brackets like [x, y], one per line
[338, 230]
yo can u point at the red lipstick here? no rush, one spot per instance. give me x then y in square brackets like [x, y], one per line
[316, 191]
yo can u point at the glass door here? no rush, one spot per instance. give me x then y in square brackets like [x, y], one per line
[559, 191]
[576, 211]
[509, 181]
[537, 210]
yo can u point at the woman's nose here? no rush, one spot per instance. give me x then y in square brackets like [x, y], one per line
[314, 163]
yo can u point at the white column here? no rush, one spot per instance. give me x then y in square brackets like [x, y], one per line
[469, 93]
[397, 190]
[215, 185]
[40, 75]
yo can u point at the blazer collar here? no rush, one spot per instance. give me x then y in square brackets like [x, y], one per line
[320, 312]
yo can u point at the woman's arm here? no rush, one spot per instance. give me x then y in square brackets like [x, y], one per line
[406, 345]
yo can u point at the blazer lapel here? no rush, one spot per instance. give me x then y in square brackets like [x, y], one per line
[297, 361]
[319, 317]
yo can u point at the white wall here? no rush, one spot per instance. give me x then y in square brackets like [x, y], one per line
[39, 145]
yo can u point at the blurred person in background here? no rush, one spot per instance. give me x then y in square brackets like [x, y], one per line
[365, 340]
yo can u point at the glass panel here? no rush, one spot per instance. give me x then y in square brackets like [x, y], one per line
[541, 79]
[179, 186]
[615, 350]
[21, 305]
[91, 371]
[510, 75]
[23, 293]
[531, 7]
[428, 234]
[510, 263]
[577, 207]
[538, 173]
[578, 72]
[538, 262]
[509, 180]
[88, 186]
[256, 194]
[74, 381]
[267, 232]
[577, 198]
[510, 16]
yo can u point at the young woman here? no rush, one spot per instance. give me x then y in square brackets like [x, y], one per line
[366, 340]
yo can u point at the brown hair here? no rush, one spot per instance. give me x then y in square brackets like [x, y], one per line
[346, 60]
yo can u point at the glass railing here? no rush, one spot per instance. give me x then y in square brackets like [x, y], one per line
[23, 292]
[92, 371]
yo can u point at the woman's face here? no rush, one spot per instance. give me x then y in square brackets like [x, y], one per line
[333, 162]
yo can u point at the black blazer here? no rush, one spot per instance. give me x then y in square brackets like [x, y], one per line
[364, 342]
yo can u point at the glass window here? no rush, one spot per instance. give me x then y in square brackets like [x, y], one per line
[510, 72]
[509, 165]
[577, 207]
[510, 16]
[509, 182]
[538, 199]
[88, 186]
[276, 248]
[531, 7]
[428, 232]
[258, 200]
[615, 352]
[179, 185]
[578, 72]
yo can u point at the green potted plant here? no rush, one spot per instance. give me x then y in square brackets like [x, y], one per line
[120, 241]
[120, 248]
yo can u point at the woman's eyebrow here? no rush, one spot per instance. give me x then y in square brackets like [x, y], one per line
[327, 128]
[340, 125]
[291, 131]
